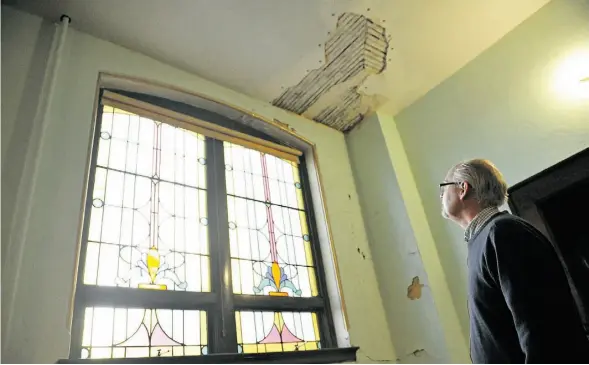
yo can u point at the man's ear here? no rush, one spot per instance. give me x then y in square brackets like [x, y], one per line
[465, 190]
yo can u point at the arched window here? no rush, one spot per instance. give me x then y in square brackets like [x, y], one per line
[198, 238]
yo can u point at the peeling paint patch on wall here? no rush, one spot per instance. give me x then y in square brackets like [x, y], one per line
[329, 95]
[414, 290]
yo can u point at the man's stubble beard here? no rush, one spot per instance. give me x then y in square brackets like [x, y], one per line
[445, 214]
[445, 211]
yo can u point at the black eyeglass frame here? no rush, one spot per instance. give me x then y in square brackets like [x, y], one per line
[449, 183]
[446, 184]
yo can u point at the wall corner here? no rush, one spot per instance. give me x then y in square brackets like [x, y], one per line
[455, 340]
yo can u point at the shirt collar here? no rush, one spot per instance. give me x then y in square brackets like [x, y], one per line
[478, 222]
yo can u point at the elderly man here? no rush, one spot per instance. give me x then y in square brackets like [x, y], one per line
[520, 304]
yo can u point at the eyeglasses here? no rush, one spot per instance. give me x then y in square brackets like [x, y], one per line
[446, 184]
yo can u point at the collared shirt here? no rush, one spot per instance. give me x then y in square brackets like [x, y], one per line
[478, 222]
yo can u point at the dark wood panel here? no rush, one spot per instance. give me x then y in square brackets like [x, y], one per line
[545, 200]
[527, 193]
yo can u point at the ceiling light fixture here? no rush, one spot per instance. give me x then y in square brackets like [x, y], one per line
[571, 76]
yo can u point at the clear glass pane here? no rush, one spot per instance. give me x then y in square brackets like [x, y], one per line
[276, 331]
[135, 332]
[148, 223]
[269, 238]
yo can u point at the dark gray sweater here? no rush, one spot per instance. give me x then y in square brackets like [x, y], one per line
[520, 304]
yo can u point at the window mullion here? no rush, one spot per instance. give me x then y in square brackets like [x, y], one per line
[222, 321]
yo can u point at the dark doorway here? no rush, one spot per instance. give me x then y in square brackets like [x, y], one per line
[556, 201]
[568, 223]
[568, 218]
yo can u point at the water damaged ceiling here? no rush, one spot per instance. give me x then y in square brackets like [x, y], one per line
[330, 94]
[333, 61]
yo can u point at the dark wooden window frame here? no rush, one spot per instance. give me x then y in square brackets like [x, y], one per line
[220, 304]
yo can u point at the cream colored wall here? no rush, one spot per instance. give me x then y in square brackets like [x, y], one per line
[502, 106]
[456, 341]
[17, 59]
[414, 324]
[44, 282]
[403, 247]
[24, 58]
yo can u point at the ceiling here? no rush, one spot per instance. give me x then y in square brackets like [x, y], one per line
[263, 47]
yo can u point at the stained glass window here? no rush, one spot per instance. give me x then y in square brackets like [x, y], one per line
[270, 243]
[136, 332]
[148, 224]
[145, 287]
[276, 331]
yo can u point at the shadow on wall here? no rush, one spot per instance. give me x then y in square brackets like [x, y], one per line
[14, 155]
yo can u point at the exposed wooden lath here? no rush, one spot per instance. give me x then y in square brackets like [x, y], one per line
[329, 95]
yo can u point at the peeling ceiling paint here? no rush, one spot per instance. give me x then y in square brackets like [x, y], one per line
[259, 48]
[329, 95]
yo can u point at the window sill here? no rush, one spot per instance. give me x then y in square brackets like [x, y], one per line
[324, 356]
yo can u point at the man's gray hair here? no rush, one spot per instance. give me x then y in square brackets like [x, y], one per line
[489, 186]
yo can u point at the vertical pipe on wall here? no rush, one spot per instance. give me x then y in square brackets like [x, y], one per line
[19, 227]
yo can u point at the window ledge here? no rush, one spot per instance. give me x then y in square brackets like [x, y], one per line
[324, 356]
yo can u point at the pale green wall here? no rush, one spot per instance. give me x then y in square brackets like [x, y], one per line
[403, 246]
[396, 256]
[18, 60]
[24, 59]
[42, 285]
[501, 106]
